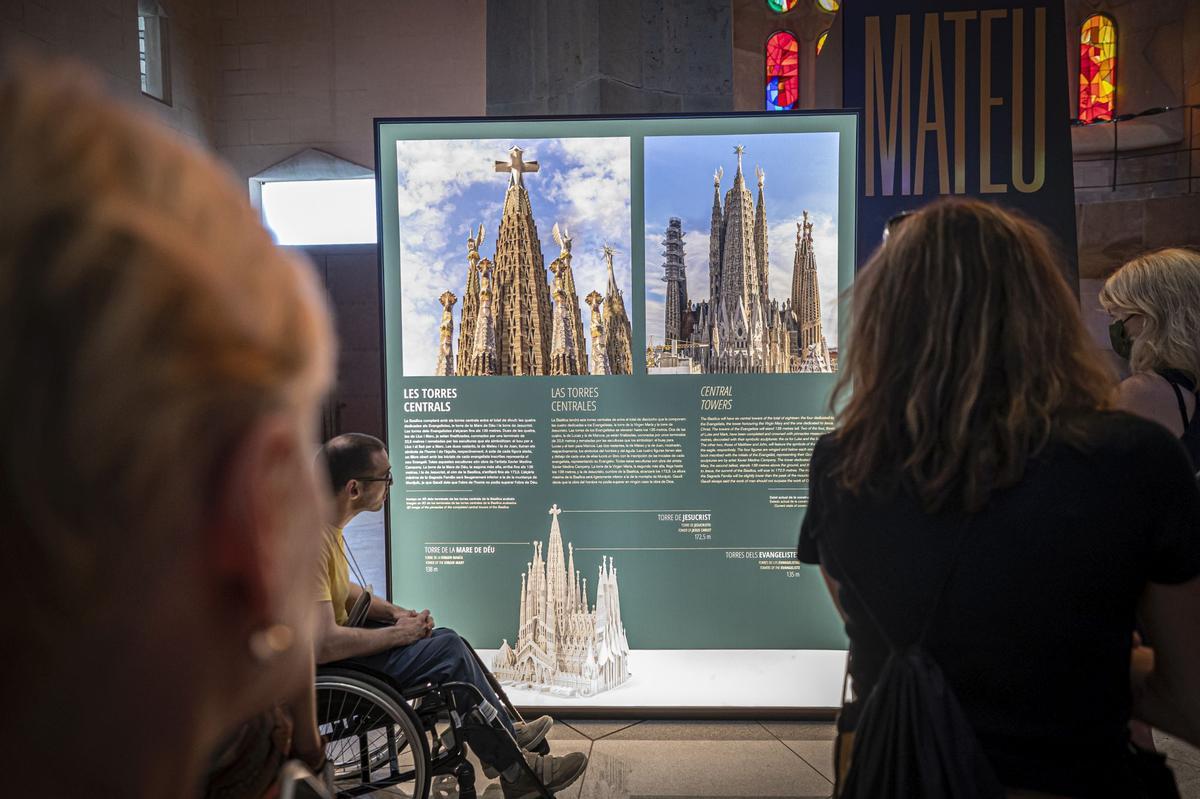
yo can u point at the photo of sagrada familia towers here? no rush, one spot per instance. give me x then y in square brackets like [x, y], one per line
[563, 647]
[740, 328]
[516, 321]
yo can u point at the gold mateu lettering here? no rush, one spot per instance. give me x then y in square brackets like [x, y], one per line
[889, 123]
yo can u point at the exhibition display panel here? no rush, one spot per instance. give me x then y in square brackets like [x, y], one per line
[610, 347]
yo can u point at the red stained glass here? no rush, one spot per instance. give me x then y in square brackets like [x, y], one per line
[783, 72]
[1097, 69]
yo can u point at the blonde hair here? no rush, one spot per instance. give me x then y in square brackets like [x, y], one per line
[148, 321]
[966, 353]
[1162, 286]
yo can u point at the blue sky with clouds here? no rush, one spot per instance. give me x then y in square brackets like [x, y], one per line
[801, 174]
[446, 188]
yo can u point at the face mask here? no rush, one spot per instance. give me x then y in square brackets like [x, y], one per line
[1118, 336]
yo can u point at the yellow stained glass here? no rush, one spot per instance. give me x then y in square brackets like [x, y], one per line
[829, 5]
[1097, 68]
[821, 41]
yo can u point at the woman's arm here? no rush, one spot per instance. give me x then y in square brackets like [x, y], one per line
[1151, 397]
[1166, 681]
[833, 587]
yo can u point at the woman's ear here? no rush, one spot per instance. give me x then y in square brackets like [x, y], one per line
[250, 517]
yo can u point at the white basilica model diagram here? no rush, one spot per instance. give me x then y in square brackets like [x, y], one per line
[563, 647]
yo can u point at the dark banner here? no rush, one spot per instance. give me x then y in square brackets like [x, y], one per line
[960, 98]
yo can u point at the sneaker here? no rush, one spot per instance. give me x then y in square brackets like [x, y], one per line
[532, 733]
[529, 735]
[554, 772]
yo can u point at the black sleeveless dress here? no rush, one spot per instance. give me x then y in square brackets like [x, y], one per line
[1180, 382]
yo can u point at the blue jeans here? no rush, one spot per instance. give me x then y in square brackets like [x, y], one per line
[445, 657]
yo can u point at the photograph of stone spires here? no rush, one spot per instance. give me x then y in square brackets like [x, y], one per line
[741, 253]
[514, 256]
[564, 646]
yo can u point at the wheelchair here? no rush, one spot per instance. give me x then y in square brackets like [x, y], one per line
[386, 741]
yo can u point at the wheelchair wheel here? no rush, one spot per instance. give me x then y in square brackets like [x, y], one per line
[375, 741]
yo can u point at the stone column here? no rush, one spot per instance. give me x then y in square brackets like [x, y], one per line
[619, 56]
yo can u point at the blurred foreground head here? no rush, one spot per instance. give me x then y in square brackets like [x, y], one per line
[161, 365]
[966, 354]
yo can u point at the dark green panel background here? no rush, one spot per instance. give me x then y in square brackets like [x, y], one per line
[694, 599]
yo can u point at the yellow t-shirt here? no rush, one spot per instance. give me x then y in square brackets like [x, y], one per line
[333, 578]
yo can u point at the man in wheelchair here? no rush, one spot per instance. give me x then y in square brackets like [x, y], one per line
[403, 643]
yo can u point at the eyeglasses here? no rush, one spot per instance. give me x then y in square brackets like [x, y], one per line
[894, 222]
[387, 478]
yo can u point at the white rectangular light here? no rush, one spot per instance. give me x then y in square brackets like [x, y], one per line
[303, 212]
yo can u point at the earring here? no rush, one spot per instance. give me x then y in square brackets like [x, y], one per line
[270, 642]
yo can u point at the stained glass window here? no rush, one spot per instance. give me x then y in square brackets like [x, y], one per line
[780, 6]
[783, 72]
[829, 5]
[1097, 68]
[821, 41]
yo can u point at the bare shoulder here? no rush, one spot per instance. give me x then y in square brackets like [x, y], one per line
[1151, 397]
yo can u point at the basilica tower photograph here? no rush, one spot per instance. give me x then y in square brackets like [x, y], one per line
[515, 257]
[744, 280]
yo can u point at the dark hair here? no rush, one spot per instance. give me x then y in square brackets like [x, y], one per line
[966, 352]
[348, 456]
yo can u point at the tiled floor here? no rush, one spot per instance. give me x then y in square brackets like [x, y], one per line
[1184, 761]
[677, 759]
[691, 759]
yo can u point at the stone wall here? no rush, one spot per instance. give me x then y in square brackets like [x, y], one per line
[351, 277]
[104, 35]
[1111, 233]
[314, 74]
[294, 75]
[1149, 49]
[1158, 63]
[260, 80]
[1191, 87]
[612, 57]
[1151, 72]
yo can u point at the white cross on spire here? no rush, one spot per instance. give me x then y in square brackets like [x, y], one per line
[516, 166]
[555, 510]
